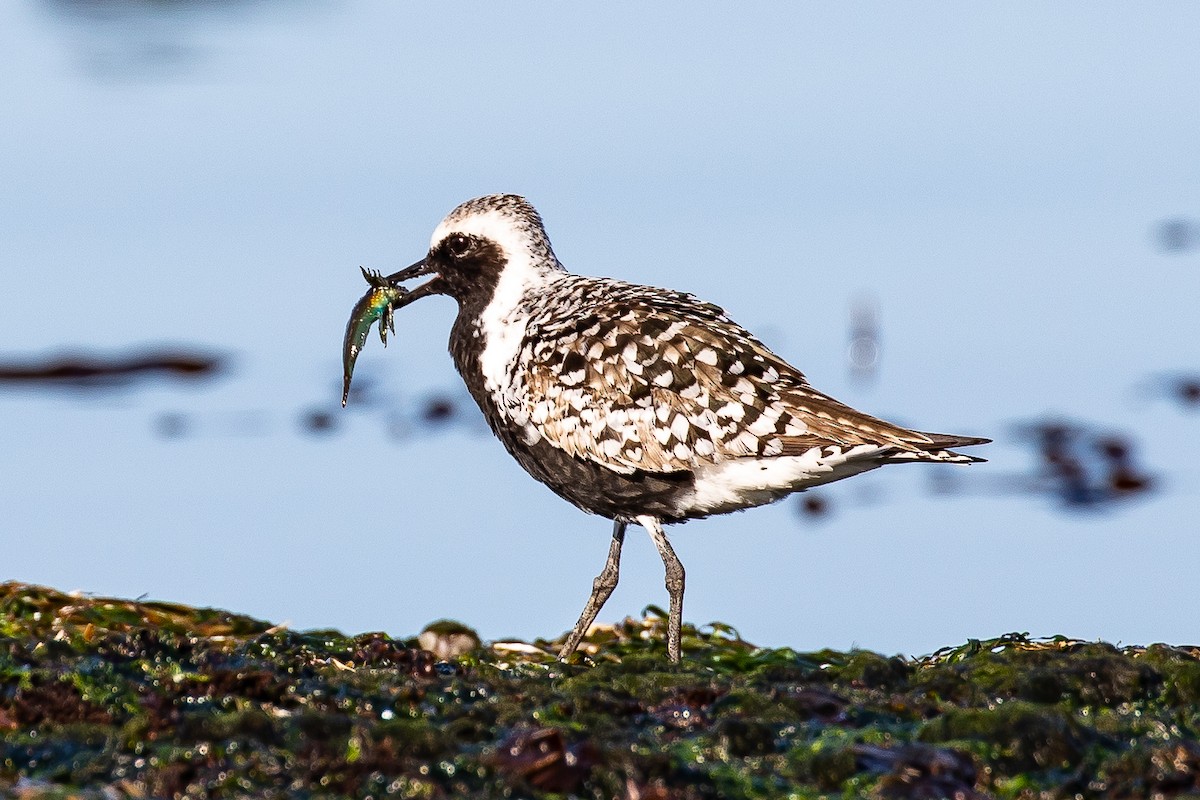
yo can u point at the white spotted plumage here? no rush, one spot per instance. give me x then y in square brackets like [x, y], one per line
[638, 403]
[656, 380]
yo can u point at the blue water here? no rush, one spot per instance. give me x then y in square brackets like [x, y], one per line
[210, 176]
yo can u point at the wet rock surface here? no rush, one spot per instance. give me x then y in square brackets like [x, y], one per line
[106, 698]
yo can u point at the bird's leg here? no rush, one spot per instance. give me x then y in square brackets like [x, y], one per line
[674, 583]
[602, 588]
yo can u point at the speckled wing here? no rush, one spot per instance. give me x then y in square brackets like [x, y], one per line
[655, 380]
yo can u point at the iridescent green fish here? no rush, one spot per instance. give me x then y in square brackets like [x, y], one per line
[377, 304]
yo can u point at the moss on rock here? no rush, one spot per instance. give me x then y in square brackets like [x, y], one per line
[109, 698]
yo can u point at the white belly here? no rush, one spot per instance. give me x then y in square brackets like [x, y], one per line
[749, 482]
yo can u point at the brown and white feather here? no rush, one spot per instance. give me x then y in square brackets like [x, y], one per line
[638, 378]
[633, 401]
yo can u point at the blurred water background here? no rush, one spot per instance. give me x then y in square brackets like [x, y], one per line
[978, 220]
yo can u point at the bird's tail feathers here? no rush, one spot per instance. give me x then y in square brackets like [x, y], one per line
[937, 449]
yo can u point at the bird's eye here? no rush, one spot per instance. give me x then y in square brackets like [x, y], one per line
[458, 245]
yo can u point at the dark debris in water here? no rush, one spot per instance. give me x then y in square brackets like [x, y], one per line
[105, 698]
[1083, 467]
[94, 371]
[1181, 388]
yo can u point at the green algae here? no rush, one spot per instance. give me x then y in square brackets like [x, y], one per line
[110, 698]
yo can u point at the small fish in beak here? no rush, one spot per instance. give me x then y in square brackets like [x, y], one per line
[376, 304]
[385, 296]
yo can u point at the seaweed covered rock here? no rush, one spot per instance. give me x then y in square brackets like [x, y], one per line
[107, 698]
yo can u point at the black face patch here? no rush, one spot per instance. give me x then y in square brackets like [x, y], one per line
[469, 266]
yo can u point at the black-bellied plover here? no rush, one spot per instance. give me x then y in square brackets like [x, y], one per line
[634, 403]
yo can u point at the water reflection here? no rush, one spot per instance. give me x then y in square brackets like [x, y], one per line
[1178, 235]
[318, 421]
[232, 424]
[436, 413]
[1181, 388]
[864, 350]
[812, 505]
[1082, 467]
[153, 39]
[399, 418]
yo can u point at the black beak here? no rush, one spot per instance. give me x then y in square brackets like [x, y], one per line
[408, 273]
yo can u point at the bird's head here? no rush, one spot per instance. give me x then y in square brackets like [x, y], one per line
[498, 238]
